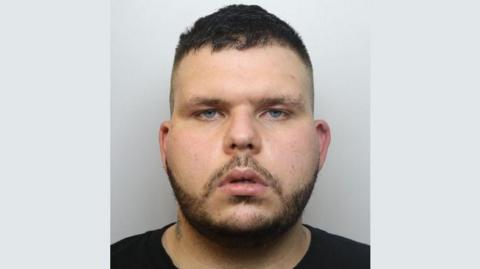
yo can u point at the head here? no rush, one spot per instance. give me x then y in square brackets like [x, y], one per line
[241, 105]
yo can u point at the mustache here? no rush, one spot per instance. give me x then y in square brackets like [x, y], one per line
[242, 161]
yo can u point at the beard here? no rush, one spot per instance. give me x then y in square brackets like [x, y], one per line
[261, 230]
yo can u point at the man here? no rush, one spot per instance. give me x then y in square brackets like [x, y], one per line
[242, 152]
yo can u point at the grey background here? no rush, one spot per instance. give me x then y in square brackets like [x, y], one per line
[144, 35]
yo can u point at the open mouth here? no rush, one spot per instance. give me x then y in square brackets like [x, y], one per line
[243, 182]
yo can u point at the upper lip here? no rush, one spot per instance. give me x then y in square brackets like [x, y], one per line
[239, 174]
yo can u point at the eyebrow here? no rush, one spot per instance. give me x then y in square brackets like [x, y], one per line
[205, 101]
[262, 102]
[282, 100]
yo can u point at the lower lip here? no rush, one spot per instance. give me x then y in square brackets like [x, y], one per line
[243, 189]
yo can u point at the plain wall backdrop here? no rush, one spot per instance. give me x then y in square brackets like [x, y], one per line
[143, 39]
[55, 115]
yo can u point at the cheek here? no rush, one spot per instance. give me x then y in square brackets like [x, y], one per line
[295, 155]
[190, 157]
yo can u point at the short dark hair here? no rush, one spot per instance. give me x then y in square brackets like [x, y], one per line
[240, 27]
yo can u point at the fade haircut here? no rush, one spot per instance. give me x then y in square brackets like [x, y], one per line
[240, 27]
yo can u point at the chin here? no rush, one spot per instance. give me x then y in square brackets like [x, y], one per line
[246, 217]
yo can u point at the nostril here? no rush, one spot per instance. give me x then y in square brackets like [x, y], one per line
[242, 146]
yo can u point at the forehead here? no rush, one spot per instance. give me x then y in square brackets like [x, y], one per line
[258, 72]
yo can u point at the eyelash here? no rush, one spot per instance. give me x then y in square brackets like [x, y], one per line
[284, 115]
[200, 114]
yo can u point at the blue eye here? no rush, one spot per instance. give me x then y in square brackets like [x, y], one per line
[208, 114]
[276, 114]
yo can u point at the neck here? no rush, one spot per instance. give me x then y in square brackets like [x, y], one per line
[190, 249]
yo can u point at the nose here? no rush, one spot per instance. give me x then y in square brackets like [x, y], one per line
[242, 135]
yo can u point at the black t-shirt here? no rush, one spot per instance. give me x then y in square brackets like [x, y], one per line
[325, 251]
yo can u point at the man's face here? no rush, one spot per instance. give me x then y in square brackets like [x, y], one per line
[242, 147]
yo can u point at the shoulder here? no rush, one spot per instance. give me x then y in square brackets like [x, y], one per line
[333, 251]
[139, 251]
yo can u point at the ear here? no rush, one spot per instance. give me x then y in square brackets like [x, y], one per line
[323, 133]
[163, 141]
